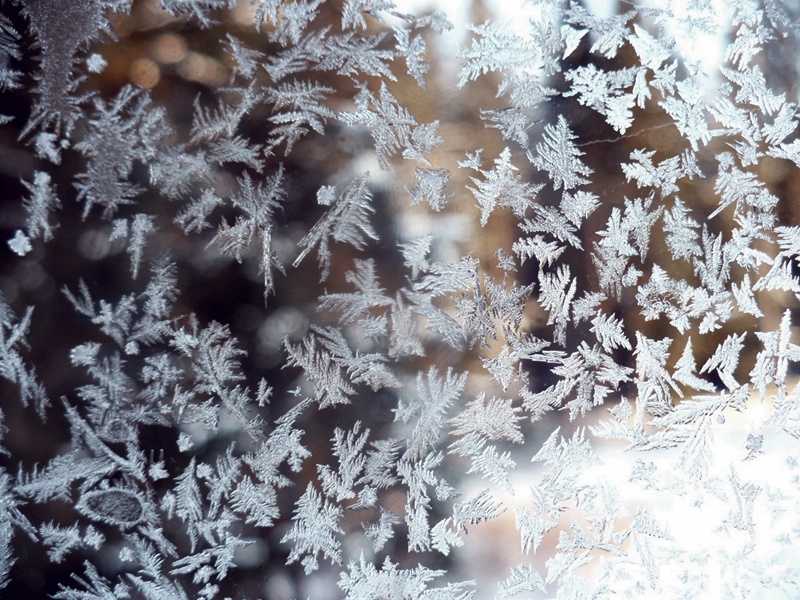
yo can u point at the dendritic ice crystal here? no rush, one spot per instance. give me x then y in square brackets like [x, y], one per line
[400, 300]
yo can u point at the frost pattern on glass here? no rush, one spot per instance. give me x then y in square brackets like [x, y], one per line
[300, 301]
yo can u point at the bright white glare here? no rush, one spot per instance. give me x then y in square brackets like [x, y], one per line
[705, 49]
[698, 47]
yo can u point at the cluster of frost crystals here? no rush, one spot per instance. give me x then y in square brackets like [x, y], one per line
[290, 307]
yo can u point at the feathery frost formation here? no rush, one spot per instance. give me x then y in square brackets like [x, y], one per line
[309, 315]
